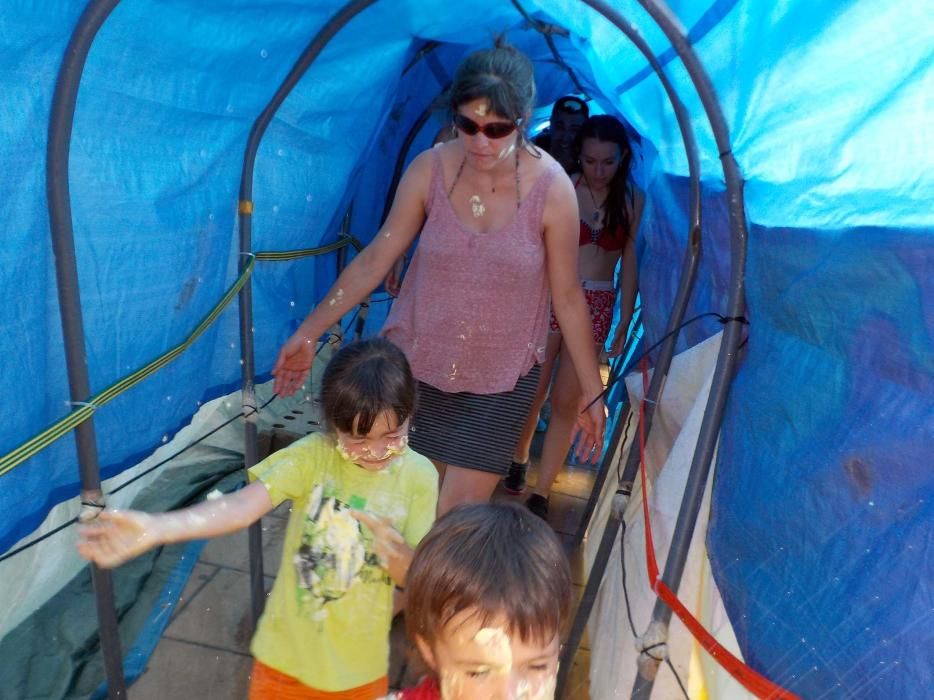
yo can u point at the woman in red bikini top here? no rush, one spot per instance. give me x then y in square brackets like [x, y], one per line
[608, 221]
[609, 217]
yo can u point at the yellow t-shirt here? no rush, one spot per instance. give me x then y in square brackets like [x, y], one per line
[328, 616]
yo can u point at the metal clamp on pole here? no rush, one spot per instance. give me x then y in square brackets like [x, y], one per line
[248, 402]
[653, 649]
[620, 503]
[92, 503]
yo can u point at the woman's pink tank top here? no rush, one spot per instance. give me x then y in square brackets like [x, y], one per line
[472, 314]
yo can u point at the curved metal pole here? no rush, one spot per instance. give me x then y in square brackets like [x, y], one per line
[666, 352]
[726, 359]
[613, 455]
[403, 154]
[551, 45]
[250, 452]
[61, 124]
[429, 46]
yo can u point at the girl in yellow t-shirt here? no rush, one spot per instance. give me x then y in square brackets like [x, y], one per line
[361, 501]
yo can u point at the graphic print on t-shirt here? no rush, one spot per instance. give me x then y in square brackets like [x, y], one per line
[334, 554]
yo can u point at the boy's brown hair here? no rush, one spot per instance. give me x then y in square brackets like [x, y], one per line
[498, 559]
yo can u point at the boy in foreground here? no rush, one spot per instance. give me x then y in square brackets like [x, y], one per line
[488, 593]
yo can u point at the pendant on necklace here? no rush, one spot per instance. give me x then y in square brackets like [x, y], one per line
[476, 206]
[596, 216]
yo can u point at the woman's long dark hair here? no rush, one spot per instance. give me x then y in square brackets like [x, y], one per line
[619, 199]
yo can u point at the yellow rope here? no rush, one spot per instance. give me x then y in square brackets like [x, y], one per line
[81, 413]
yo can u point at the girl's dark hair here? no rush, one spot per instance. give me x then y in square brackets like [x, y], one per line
[619, 203]
[502, 75]
[361, 381]
[497, 559]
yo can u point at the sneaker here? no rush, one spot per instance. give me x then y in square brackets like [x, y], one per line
[538, 505]
[514, 482]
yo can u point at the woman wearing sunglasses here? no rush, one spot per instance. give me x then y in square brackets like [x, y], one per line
[499, 230]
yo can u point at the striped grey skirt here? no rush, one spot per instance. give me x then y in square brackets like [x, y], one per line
[475, 431]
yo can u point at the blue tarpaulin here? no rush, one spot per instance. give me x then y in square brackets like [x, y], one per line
[820, 536]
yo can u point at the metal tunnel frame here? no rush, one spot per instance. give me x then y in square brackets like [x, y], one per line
[61, 227]
[688, 267]
[666, 353]
[727, 357]
[403, 153]
[61, 123]
[60, 130]
[245, 209]
[551, 47]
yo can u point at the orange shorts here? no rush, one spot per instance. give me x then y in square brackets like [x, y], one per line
[269, 684]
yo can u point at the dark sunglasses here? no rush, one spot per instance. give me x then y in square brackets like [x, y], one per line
[493, 130]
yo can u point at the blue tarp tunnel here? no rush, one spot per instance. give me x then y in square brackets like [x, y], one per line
[819, 535]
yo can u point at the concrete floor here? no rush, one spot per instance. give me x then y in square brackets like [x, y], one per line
[204, 652]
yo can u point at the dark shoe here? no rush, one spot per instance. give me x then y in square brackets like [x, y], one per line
[514, 482]
[538, 505]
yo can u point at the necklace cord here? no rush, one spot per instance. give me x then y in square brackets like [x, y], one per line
[460, 171]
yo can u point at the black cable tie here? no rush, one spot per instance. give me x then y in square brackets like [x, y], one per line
[741, 319]
[632, 363]
[91, 504]
[646, 650]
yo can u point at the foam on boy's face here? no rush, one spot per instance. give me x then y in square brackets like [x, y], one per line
[487, 660]
[375, 450]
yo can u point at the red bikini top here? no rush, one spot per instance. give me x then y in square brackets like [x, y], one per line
[608, 240]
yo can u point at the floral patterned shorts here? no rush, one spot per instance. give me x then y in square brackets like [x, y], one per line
[600, 299]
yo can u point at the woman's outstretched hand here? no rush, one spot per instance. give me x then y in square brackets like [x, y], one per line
[293, 363]
[116, 536]
[591, 422]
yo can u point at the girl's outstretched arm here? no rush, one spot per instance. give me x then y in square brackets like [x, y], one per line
[116, 536]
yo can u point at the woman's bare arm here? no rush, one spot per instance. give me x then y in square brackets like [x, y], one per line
[562, 227]
[360, 277]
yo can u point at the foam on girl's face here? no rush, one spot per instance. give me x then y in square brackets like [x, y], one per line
[475, 660]
[374, 451]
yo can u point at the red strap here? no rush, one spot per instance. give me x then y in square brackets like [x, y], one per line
[757, 684]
